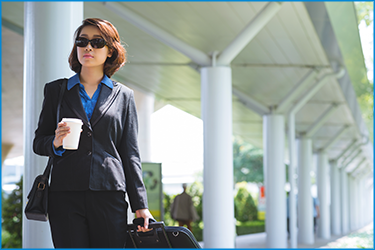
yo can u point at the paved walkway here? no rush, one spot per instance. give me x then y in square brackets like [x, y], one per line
[259, 240]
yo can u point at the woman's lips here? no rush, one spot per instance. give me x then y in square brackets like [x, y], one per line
[88, 56]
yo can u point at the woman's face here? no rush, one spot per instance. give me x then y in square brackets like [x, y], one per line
[89, 56]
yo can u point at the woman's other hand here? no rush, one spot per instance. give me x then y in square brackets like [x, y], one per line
[146, 215]
[60, 133]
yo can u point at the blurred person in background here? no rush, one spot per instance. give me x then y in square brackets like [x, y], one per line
[183, 210]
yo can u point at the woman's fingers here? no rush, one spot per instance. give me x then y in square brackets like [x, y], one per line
[61, 132]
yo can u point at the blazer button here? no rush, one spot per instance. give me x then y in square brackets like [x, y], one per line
[89, 134]
[89, 153]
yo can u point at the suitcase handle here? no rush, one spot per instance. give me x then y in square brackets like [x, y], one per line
[141, 236]
[140, 221]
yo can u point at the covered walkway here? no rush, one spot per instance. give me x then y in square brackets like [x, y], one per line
[278, 74]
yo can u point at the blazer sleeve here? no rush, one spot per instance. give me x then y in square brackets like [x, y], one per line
[45, 132]
[131, 160]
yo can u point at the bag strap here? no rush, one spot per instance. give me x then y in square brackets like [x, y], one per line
[50, 160]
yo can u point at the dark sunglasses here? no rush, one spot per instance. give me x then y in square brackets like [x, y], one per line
[96, 43]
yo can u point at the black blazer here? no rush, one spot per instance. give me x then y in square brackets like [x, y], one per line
[107, 158]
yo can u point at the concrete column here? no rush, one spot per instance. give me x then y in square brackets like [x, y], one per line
[365, 202]
[369, 203]
[344, 194]
[305, 201]
[145, 108]
[48, 39]
[274, 174]
[359, 208]
[356, 203]
[363, 198]
[218, 202]
[365, 205]
[335, 199]
[324, 227]
[352, 201]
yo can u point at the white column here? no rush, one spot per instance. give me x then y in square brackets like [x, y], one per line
[335, 199]
[324, 228]
[218, 202]
[344, 194]
[361, 203]
[356, 203]
[305, 201]
[369, 202]
[352, 201]
[145, 108]
[274, 178]
[48, 39]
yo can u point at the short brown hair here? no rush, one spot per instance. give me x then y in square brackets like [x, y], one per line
[111, 36]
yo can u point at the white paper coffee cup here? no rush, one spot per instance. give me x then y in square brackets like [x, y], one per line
[71, 141]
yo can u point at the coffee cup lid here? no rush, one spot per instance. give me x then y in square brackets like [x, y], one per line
[72, 120]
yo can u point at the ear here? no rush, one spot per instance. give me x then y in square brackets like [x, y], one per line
[110, 52]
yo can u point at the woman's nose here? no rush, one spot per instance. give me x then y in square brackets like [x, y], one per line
[88, 47]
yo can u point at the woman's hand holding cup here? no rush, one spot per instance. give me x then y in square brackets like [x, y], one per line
[60, 133]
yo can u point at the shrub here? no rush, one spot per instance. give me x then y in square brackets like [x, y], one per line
[244, 206]
[11, 236]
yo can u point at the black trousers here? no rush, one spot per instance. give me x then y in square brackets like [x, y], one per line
[88, 219]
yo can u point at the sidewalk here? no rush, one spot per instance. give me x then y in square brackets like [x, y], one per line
[259, 240]
[352, 240]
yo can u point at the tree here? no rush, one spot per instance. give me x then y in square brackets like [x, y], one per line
[247, 162]
[365, 12]
[244, 206]
[365, 89]
[12, 219]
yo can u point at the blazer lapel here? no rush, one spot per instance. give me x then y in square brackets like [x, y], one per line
[74, 102]
[105, 100]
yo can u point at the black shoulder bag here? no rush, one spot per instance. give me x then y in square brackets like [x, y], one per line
[37, 204]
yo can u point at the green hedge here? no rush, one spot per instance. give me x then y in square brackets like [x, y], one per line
[250, 227]
[245, 211]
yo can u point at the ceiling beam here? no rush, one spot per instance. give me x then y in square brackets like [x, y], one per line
[249, 102]
[248, 33]
[359, 168]
[363, 173]
[346, 150]
[367, 175]
[291, 96]
[345, 166]
[12, 26]
[335, 138]
[312, 91]
[163, 36]
[320, 121]
[281, 66]
[353, 149]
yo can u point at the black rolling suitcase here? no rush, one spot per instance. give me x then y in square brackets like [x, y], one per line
[160, 237]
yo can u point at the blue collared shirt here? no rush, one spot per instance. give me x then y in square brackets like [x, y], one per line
[87, 102]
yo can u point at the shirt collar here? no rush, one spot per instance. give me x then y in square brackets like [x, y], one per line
[75, 80]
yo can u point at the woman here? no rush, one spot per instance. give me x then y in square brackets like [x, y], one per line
[87, 206]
